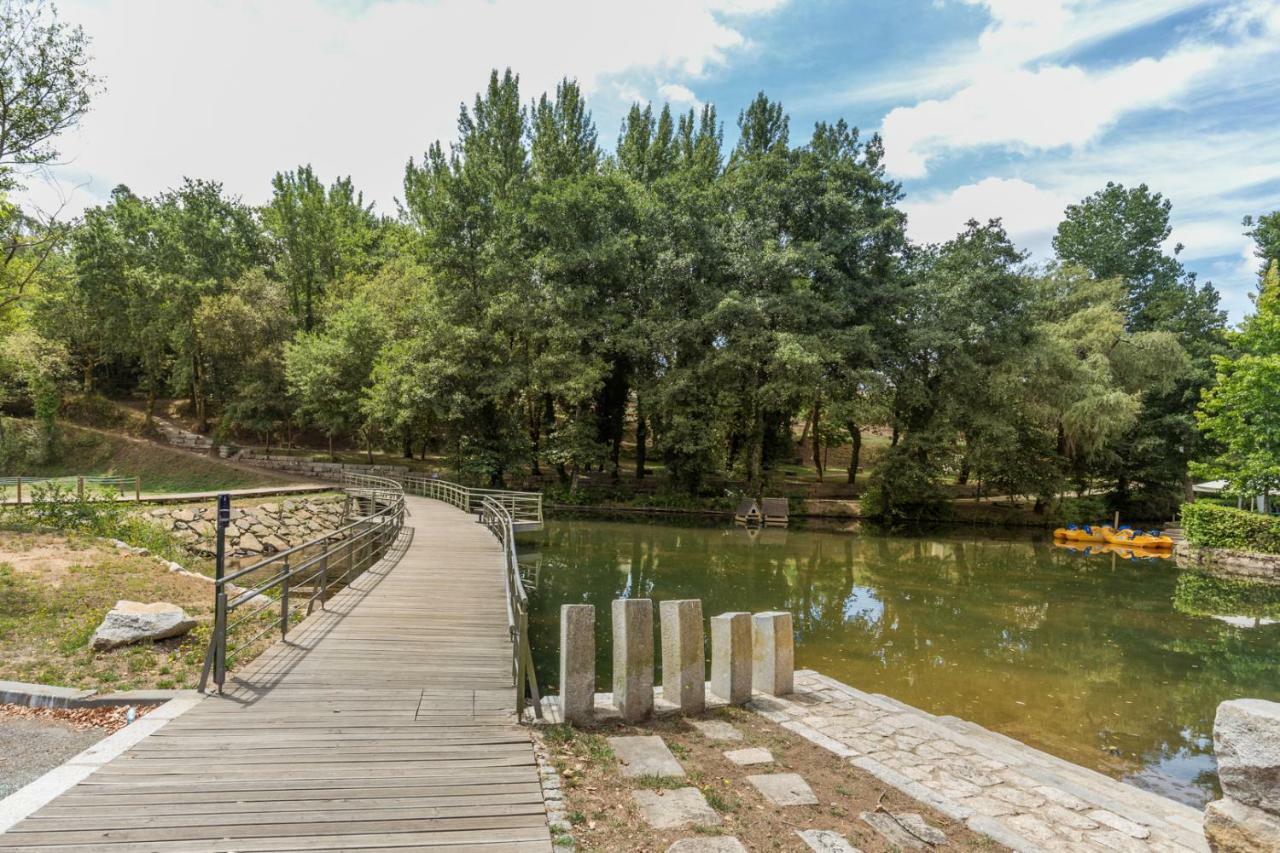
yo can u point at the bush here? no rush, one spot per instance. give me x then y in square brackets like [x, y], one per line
[1213, 526]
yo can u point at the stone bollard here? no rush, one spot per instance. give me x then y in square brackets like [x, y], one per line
[772, 653]
[577, 662]
[731, 657]
[684, 660]
[1246, 742]
[633, 658]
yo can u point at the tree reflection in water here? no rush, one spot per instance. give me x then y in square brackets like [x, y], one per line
[1086, 657]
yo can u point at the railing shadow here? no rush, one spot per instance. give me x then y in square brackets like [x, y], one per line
[272, 666]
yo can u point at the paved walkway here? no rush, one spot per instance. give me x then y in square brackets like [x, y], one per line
[1022, 797]
[386, 721]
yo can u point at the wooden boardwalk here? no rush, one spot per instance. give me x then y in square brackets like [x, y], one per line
[387, 721]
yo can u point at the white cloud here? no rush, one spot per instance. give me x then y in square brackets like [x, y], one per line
[1019, 32]
[1040, 109]
[1030, 213]
[678, 94]
[235, 90]
[1013, 103]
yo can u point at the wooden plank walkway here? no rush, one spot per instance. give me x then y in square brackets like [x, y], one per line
[387, 721]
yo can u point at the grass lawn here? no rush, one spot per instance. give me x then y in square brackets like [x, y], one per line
[88, 452]
[55, 590]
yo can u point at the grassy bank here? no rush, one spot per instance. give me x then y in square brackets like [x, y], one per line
[55, 590]
[89, 452]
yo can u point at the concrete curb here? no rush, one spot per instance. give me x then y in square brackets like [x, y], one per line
[23, 802]
[52, 696]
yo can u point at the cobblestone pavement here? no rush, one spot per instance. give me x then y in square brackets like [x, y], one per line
[1023, 798]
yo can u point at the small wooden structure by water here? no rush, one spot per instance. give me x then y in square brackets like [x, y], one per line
[748, 513]
[775, 512]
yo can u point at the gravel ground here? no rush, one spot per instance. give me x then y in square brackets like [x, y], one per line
[29, 748]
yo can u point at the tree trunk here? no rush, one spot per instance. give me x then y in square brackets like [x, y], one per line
[332, 457]
[407, 449]
[855, 450]
[88, 375]
[642, 436]
[817, 436]
[151, 405]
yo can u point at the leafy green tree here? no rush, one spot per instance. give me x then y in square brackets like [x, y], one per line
[243, 332]
[1239, 411]
[328, 370]
[1265, 231]
[317, 235]
[964, 316]
[1118, 233]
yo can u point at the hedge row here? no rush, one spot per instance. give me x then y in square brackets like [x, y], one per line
[1214, 526]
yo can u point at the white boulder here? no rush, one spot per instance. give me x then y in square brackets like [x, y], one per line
[1246, 741]
[134, 622]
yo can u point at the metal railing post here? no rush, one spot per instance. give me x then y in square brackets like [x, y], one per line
[220, 638]
[284, 602]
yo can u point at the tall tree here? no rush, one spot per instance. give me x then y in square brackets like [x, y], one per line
[1119, 233]
[1239, 411]
[317, 235]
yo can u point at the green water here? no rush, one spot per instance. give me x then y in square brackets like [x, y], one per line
[1114, 664]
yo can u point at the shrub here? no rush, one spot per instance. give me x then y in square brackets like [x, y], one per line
[1213, 526]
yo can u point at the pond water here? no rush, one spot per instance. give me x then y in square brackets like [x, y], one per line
[1110, 663]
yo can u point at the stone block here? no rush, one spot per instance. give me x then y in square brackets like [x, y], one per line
[633, 658]
[750, 755]
[645, 755]
[784, 789]
[826, 841]
[717, 730]
[731, 657]
[772, 653]
[577, 662]
[1246, 741]
[1232, 827]
[673, 809]
[684, 659]
[709, 844]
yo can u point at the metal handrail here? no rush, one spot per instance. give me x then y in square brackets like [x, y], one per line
[355, 547]
[523, 506]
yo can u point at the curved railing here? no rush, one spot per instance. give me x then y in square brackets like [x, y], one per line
[525, 508]
[259, 599]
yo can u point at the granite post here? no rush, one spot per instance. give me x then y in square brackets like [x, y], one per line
[684, 659]
[731, 657]
[772, 653]
[633, 658]
[577, 662]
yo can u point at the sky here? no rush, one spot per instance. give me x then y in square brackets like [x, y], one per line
[987, 108]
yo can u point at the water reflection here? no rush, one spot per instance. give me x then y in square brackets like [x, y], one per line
[1084, 656]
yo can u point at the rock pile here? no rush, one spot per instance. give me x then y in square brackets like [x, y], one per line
[1246, 741]
[254, 531]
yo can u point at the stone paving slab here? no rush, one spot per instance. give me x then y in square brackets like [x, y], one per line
[1021, 797]
[710, 844]
[826, 841]
[645, 755]
[750, 755]
[674, 809]
[784, 789]
[716, 729]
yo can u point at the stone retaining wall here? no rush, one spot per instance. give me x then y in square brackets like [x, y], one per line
[262, 529]
[319, 470]
[1246, 565]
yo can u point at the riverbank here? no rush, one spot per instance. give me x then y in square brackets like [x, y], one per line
[963, 777]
